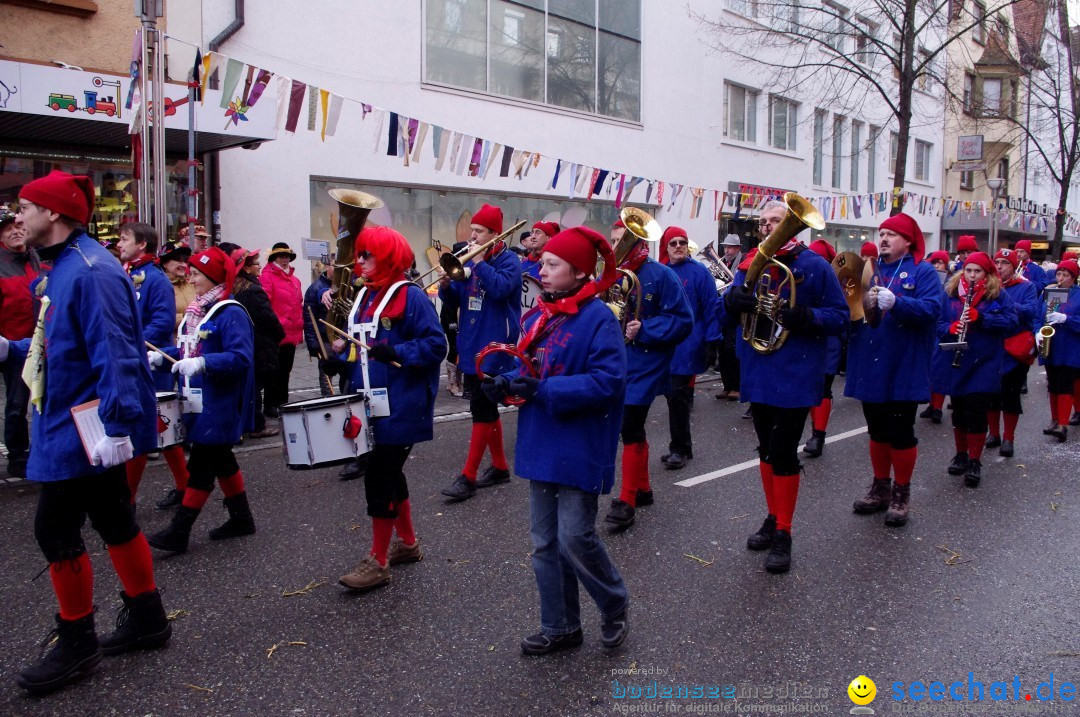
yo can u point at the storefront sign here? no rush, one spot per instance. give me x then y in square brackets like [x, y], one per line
[969, 147]
[1029, 207]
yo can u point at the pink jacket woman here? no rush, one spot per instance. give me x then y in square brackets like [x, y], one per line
[283, 289]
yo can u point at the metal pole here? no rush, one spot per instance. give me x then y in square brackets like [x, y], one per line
[160, 168]
[145, 174]
[193, 197]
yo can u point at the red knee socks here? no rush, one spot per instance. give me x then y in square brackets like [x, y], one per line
[73, 583]
[937, 400]
[1054, 415]
[477, 443]
[495, 445]
[381, 531]
[134, 565]
[993, 418]
[975, 443]
[819, 414]
[881, 458]
[960, 440]
[1064, 408]
[1011, 419]
[767, 486]
[635, 471]
[903, 460]
[174, 456]
[195, 498]
[134, 469]
[403, 523]
[233, 485]
[785, 493]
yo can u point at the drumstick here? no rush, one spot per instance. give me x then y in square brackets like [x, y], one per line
[356, 341]
[155, 348]
[318, 335]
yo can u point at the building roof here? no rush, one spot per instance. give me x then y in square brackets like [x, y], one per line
[1029, 18]
[996, 55]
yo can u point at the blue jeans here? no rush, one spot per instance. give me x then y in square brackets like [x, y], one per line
[16, 429]
[566, 550]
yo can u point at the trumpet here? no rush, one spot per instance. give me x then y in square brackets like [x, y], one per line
[453, 265]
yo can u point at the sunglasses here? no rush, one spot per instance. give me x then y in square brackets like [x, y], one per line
[364, 255]
[679, 242]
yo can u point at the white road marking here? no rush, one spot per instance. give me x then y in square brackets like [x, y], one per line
[706, 477]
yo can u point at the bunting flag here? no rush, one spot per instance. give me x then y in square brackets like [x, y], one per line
[444, 144]
[312, 107]
[257, 89]
[196, 74]
[619, 194]
[233, 68]
[392, 136]
[333, 115]
[592, 185]
[324, 106]
[659, 194]
[296, 100]
[555, 177]
[507, 158]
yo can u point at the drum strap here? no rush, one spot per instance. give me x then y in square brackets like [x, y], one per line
[187, 344]
[373, 324]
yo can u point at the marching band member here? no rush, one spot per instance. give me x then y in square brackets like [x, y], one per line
[215, 346]
[780, 406]
[888, 365]
[1029, 269]
[406, 349]
[1063, 363]
[490, 301]
[965, 246]
[690, 355]
[819, 414]
[157, 303]
[665, 321]
[940, 261]
[1019, 353]
[989, 316]
[538, 237]
[87, 345]
[868, 250]
[567, 438]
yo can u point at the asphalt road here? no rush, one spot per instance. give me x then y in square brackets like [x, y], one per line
[982, 581]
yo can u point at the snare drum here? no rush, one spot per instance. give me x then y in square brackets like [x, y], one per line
[530, 293]
[170, 428]
[313, 431]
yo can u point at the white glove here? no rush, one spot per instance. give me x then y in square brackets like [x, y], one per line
[190, 366]
[156, 358]
[3, 349]
[885, 299]
[1055, 317]
[1038, 339]
[112, 451]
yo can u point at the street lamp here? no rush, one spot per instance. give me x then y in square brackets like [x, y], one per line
[995, 185]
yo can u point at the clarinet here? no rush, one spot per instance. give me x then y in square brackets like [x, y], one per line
[961, 335]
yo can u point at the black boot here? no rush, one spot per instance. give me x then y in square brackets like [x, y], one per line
[779, 558]
[174, 539]
[172, 499]
[240, 522]
[141, 625]
[75, 654]
[815, 445]
[973, 474]
[959, 464]
[762, 539]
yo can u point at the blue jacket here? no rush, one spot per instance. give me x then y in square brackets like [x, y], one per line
[157, 309]
[834, 348]
[666, 321]
[490, 301]
[228, 385]
[93, 350]
[891, 361]
[1065, 346]
[569, 432]
[700, 289]
[1036, 275]
[982, 363]
[794, 376]
[313, 301]
[421, 345]
[1024, 296]
[530, 267]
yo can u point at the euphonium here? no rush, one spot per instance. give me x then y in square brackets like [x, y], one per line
[624, 299]
[353, 210]
[720, 271]
[762, 329]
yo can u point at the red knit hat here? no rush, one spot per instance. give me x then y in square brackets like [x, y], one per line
[579, 246]
[1071, 254]
[549, 228]
[938, 256]
[966, 242]
[869, 249]
[216, 265]
[1071, 266]
[489, 217]
[823, 249]
[68, 194]
[1008, 255]
[1023, 245]
[908, 228]
[981, 259]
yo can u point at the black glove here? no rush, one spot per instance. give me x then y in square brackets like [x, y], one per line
[740, 300]
[384, 353]
[495, 388]
[712, 350]
[525, 387]
[798, 319]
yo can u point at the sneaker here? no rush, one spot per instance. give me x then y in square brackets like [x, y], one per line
[614, 630]
[959, 464]
[541, 644]
[733, 396]
[779, 558]
[721, 395]
[367, 575]
[993, 441]
[172, 499]
[876, 499]
[762, 539]
[493, 476]
[899, 506]
[621, 515]
[1006, 450]
[401, 553]
[644, 498]
[153, 455]
[267, 432]
[461, 489]
[973, 474]
[936, 415]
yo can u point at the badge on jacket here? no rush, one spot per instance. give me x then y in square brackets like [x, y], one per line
[385, 323]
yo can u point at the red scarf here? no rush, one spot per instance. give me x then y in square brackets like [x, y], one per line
[979, 291]
[635, 257]
[565, 307]
[1016, 279]
[142, 261]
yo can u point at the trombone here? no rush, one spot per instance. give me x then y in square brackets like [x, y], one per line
[453, 265]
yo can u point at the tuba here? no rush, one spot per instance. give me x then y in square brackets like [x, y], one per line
[624, 297]
[720, 271]
[353, 210]
[762, 329]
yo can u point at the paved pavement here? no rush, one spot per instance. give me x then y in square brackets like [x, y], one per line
[982, 581]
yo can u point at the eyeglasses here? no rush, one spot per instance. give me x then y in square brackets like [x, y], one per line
[679, 242]
[364, 255]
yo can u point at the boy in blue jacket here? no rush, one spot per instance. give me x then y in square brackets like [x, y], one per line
[88, 345]
[568, 432]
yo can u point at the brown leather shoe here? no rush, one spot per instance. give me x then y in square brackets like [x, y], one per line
[876, 499]
[367, 574]
[402, 553]
[899, 506]
[264, 433]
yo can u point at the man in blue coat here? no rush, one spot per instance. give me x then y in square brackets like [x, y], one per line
[87, 346]
[1029, 269]
[663, 321]
[690, 355]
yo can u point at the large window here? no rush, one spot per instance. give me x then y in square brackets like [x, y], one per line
[871, 157]
[978, 16]
[864, 47]
[922, 160]
[819, 147]
[856, 150]
[991, 96]
[835, 25]
[894, 148]
[749, 8]
[740, 113]
[580, 54]
[783, 119]
[837, 150]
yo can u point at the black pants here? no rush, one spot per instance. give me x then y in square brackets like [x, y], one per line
[1008, 399]
[482, 408]
[892, 422]
[17, 398]
[829, 378]
[679, 402]
[779, 431]
[64, 505]
[384, 482]
[969, 412]
[1059, 379]
[729, 363]
[208, 462]
[260, 387]
[633, 424]
[277, 390]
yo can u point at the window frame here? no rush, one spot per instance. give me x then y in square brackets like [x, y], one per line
[749, 112]
[923, 150]
[866, 33]
[819, 147]
[838, 29]
[837, 151]
[871, 157]
[978, 30]
[791, 112]
[856, 151]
